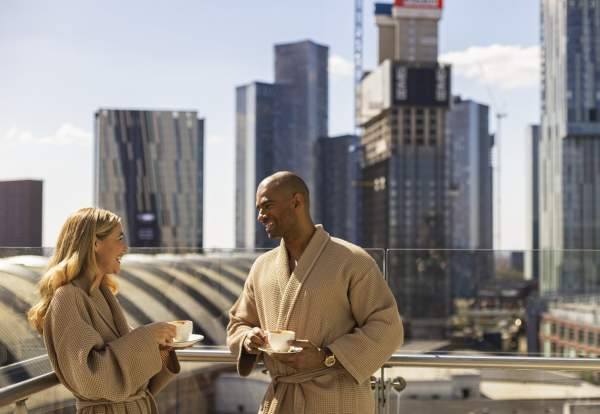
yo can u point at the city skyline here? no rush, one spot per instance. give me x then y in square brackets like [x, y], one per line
[53, 108]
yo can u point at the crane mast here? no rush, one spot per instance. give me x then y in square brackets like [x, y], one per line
[358, 59]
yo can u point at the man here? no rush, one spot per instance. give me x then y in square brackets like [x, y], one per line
[330, 292]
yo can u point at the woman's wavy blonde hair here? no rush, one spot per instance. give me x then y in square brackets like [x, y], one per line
[74, 257]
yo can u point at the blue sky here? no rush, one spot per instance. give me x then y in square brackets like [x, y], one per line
[63, 60]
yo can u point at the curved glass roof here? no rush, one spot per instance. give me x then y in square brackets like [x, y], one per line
[152, 287]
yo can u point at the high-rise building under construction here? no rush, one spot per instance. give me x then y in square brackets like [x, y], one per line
[405, 205]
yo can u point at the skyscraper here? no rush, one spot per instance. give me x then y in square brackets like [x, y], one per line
[277, 126]
[257, 149]
[570, 146]
[21, 213]
[336, 199]
[532, 158]
[468, 146]
[403, 113]
[149, 169]
[408, 30]
[302, 68]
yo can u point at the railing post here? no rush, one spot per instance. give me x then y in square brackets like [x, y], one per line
[381, 400]
[20, 407]
[376, 386]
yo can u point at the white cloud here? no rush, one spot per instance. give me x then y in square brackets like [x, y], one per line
[502, 66]
[338, 66]
[66, 134]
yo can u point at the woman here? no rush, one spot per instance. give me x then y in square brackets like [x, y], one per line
[109, 367]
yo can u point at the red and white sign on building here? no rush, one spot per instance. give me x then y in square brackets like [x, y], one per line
[419, 4]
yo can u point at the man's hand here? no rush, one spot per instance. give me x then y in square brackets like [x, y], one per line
[310, 358]
[255, 337]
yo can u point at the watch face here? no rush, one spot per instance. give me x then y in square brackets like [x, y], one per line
[330, 361]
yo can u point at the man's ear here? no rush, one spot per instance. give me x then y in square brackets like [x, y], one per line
[297, 199]
[96, 245]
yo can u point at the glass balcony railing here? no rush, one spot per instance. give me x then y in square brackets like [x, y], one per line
[486, 331]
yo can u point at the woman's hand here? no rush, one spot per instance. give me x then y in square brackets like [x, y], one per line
[162, 332]
[169, 359]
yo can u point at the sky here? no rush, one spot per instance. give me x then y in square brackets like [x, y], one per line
[65, 59]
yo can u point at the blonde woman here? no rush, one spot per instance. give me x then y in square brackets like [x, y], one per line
[108, 367]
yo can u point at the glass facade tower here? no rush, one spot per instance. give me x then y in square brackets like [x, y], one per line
[149, 169]
[570, 145]
[277, 126]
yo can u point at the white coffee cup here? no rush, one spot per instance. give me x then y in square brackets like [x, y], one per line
[183, 329]
[279, 340]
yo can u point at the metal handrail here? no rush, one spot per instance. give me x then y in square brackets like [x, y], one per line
[19, 391]
[433, 360]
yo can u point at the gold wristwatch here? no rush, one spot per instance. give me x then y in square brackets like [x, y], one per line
[329, 360]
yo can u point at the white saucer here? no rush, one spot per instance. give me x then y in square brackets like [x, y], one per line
[192, 339]
[292, 350]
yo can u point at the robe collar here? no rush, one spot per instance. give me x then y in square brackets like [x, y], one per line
[116, 322]
[290, 285]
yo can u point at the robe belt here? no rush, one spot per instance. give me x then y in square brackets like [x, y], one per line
[81, 404]
[276, 393]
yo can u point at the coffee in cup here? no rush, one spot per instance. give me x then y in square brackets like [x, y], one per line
[183, 330]
[279, 339]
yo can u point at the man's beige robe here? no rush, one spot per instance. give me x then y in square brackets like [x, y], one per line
[108, 367]
[335, 297]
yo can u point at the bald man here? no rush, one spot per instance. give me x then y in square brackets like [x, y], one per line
[330, 293]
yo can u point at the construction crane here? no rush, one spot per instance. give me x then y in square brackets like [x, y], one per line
[358, 60]
[499, 114]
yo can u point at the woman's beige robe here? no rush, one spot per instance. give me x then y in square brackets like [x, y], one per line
[335, 297]
[108, 367]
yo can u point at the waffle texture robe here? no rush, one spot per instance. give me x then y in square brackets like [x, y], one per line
[335, 297]
[110, 368]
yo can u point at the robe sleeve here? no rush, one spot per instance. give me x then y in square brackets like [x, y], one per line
[87, 365]
[170, 368]
[243, 316]
[378, 331]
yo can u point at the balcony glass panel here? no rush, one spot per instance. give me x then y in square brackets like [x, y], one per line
[453, 303]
